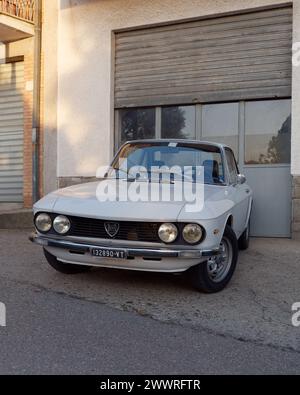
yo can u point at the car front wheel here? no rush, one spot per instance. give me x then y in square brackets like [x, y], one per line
[214, 275]
[64, 268]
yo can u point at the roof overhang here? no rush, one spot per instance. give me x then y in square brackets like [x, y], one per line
[14, 29]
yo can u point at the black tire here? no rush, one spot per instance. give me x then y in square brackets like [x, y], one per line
[64, 268]
[244, 240]
[201, 276]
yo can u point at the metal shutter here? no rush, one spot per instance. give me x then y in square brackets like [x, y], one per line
[235, 57]
[11, 132]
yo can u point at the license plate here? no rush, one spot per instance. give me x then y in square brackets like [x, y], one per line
[107, 253]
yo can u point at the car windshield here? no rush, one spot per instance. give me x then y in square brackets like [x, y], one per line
[169, 161]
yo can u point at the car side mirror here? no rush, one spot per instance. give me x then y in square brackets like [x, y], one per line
[241, 179]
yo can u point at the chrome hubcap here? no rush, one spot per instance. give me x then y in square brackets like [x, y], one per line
[219, 266]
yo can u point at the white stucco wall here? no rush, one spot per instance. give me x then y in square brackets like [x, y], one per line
[85, 92]
[49, 49]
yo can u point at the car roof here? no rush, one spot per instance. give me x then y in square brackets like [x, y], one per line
[178, 141]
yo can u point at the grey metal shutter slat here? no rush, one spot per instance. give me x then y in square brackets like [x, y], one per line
[11, 125]
[277, 60]
[234, 30]
[16, 116]
[207, 58]
[11, 132]
[204, 47]
[191, 81]
[8, 174]
[7, 90]
[10, 99]
[10, 149]
[214, 72]
[248, 36]
[10, 111]
[8, 73]
[226, 21]
[17, 156]
[228, 58]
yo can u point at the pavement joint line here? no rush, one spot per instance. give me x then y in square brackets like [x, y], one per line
[195, 328]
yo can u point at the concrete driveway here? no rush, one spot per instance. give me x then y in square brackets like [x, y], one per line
[256, 306]
[255, 309]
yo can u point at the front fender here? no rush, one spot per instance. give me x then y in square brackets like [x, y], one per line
[214, 229]
[47, 203]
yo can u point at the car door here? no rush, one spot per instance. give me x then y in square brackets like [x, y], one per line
[240, 194]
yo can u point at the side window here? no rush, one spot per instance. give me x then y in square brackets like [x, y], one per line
[232, 166]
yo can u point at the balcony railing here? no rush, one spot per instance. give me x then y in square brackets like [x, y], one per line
[21, 9]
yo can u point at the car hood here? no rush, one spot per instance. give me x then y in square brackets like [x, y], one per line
[83, 201]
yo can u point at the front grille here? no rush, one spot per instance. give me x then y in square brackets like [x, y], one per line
[132, 231]
[128, 230]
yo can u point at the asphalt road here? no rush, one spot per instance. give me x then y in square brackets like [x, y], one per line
[115, 322]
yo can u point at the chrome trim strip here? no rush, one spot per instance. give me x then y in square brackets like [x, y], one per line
[131, 252]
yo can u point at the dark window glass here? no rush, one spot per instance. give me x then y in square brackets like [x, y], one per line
[268, 132]
[178, 122]
[220, 124]
[137, 123]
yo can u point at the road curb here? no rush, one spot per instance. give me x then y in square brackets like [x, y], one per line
[21, 219]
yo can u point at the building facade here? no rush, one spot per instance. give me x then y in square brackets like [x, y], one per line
[17, 32]
[220, 70]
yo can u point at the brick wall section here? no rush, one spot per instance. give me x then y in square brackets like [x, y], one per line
[28, 103]
[296, 207]
[41, 136]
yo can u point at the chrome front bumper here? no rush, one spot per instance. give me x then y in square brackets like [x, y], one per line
[83, 247]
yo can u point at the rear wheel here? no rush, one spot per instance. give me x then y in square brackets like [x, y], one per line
[213, 276]
[64, 268]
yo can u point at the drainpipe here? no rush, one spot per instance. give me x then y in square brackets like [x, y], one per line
[36, 99]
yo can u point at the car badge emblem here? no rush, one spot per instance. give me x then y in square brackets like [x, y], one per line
[112, 228]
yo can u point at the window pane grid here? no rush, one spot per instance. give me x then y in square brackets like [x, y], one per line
[268, 132]
[258, 132]
[178, 122]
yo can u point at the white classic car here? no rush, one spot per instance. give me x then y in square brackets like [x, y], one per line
[112, 224]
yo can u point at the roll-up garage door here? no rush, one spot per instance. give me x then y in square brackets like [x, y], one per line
[237, 57]
[11, 132]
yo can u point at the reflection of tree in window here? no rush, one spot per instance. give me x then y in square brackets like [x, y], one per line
[279, 146]
[173, 123]
[138, 124]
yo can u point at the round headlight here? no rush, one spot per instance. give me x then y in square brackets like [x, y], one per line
[43, 222]
[192, 233]
[61, 225]
[168, 233]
